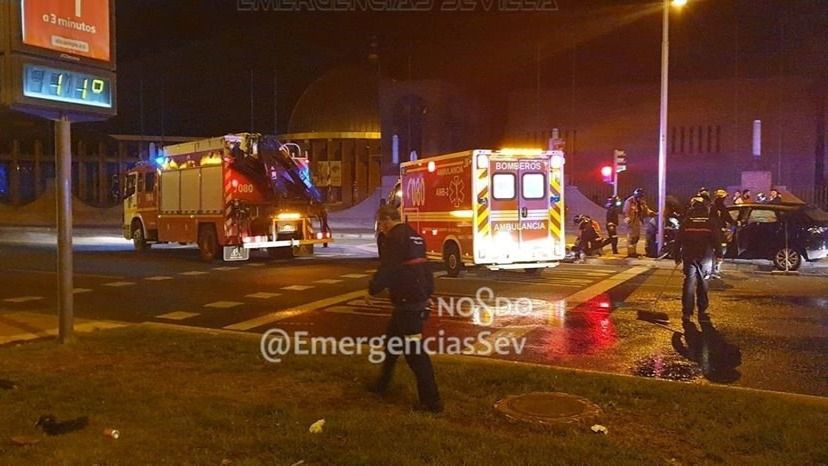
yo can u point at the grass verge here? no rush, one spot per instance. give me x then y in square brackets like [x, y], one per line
[188, 398]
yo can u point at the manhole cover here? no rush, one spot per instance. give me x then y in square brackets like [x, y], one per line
[547, 407]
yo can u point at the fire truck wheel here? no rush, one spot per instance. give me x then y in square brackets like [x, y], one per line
[207, 243]
[139, 242]
[451, 257]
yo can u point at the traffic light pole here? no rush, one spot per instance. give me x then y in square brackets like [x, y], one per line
[63, 164]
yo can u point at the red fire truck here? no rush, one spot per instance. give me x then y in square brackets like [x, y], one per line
[501, 209]
[228, 194]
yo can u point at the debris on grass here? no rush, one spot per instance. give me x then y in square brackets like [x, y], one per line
[49, 424]
[316, 427]
[24, 440]
[599, 429]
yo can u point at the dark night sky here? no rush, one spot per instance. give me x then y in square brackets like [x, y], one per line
[195, 58]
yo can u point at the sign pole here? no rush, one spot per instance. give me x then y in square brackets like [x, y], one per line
[63, 174]
[614, 174]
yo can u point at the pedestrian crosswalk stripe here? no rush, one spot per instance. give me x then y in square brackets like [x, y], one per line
[81, 290]
[328, 281]
[119, 284]
[223, 304]
[225, 269]
[23, 299]
[354, 275]
[194, 272]
[178, 315]
[263, 295]
[159, 278]
[297, 287]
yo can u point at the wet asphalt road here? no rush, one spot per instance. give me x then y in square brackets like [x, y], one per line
[768, 332]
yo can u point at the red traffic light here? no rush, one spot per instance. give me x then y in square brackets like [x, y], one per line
[606, 171]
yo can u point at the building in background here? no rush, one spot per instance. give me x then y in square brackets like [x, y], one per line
[336, 124]
[710, 138]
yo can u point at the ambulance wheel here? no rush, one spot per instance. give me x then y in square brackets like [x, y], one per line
[139, 242]
[451, 257]
[207, 243]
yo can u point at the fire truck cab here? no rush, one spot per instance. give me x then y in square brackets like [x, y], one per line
[228, 194]
[502, 209]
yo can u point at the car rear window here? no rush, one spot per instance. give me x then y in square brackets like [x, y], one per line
[503, 185]
[533, 185]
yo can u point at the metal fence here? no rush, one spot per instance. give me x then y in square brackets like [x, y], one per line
[599, 192]
[817, 196]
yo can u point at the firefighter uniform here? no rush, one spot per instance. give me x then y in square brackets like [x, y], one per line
[612, 222]
[405, 273]
[697, 245]
[635, 211]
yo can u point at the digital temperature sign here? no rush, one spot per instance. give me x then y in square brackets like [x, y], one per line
[62, 85]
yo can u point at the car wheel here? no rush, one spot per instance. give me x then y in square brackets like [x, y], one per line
[451, 257]
[139, 242]
[787, 259]
[207, 243]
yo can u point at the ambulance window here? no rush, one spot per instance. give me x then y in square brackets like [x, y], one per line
[533, 185]
[503, 185]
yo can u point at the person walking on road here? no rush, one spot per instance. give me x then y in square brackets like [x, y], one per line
[404, 272]
[635, 212]
[697, 245]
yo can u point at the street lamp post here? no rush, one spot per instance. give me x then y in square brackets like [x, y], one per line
[662, 121]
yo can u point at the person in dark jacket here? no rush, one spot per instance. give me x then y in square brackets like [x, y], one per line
[613, 211]
[405, 273]
[697, 245]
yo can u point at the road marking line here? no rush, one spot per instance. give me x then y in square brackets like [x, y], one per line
[178, 315]
[255, 264]
[225, 269]
[158, 278]
[297, 287]
[371, 271]
[604, 285]
[328, 281]
[81, 327]
[81, 290]
[354, 275]
[51, 272]
[119, 284]
[223, 304]
[23, 299]
[263, 295]
[292, 312]
[194, 272]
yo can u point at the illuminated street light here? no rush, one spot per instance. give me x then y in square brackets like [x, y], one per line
[662, 123]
